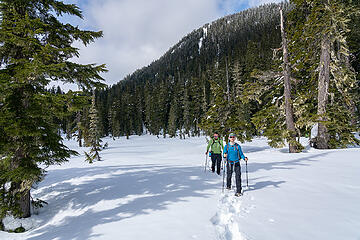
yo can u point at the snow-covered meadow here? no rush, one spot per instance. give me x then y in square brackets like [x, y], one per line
[150, 188]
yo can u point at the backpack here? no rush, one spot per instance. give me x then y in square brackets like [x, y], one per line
[237, 148]
[213, 144]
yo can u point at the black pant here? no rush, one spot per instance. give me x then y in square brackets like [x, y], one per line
[216, 160]
[230, 168]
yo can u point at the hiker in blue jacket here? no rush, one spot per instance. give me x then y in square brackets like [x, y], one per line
[233, 154]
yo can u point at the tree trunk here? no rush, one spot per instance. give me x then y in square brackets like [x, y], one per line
[79, 139]
[24, 203]
[323, 92]
[78, 120]
[24, 200]
[290, 125]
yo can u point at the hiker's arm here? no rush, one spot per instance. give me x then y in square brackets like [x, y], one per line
[208, 146]
[225, 152]
[242, 154]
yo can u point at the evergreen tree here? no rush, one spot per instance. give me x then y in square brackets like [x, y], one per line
[94, 136]
[353, 37]
[78, 101]
[324, 26]
[138, 112]
[110, 120]
[289, 112]
[172, 124]
[237, 76]
[187, 111]
[175, 112]
[35, 47]
[85, 122]
[267, 93]
[215, 117]
[79, 128]
[116, 118]
[198, 100]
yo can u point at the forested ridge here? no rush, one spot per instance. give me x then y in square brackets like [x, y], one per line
[173, 94]
[227, 76]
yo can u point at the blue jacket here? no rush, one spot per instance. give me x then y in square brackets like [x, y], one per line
[234, 153]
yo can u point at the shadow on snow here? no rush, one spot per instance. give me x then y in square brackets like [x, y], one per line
[123, 192]
[129, 190]
[279, 165]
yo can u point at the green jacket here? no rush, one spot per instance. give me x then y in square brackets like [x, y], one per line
[216, 147]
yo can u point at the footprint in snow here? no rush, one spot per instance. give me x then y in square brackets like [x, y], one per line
[225, 220]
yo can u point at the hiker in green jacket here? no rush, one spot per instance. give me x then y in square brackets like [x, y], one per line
[216, 145]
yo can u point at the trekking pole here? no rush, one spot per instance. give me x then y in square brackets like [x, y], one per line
[247, 178]
[224, 162]
[206, 162]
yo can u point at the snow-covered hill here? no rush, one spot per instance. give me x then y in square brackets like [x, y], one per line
[150, 188]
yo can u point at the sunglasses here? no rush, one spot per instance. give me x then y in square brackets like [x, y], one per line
[231, 137]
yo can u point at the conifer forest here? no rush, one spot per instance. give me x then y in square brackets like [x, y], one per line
[279, 70]
[228, 76]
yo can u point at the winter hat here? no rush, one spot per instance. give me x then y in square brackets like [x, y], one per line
[232, 135]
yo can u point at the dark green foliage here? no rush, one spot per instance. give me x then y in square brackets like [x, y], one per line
[233, 82]
[227, 112]
[74, 119]
[216, 116]
[177, 93]
[35, 48]
[270, 121]
[340, 130]
[94, 140]
[20, 229]
[2, 227]
[353, 37]
[309, 21]
[38, 203]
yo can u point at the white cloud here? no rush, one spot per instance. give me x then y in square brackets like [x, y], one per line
[136, 32]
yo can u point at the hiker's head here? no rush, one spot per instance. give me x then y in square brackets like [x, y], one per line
[232, 136]
[216, 135]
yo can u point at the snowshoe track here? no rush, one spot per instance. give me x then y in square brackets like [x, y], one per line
[229, 209]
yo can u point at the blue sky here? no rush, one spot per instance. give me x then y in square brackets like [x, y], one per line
[136, 32]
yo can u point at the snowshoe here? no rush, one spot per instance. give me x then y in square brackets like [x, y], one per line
[238, 194]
